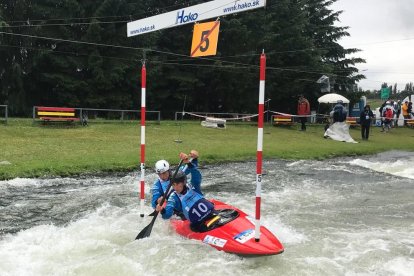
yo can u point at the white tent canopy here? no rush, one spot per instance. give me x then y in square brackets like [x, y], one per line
[332, 98]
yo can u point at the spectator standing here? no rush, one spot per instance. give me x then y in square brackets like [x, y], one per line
[388, 115]
[365, 121]
[339, 112]
[405, 113]
[397, 108]
[304, 110]
[392, 103]
[381, 111]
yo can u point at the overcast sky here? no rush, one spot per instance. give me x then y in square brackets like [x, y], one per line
[384, 31]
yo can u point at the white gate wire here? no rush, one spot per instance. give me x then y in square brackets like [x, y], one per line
[226, 119]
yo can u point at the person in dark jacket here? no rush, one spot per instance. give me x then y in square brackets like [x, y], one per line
[339, 112]
[381, 111]
[365, 120]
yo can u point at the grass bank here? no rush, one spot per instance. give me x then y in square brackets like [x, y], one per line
[32, 150]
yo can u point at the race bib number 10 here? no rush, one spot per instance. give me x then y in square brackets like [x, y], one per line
[200, 210]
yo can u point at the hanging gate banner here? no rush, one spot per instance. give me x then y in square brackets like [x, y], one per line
[205, 37]
[196, 13]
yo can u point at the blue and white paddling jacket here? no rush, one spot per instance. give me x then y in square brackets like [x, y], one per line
[192, 204]
[159, 186]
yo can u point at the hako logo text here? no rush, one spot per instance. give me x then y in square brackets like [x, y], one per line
[181, 18]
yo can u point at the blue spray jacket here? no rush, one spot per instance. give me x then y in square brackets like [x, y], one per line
[158, 190]
[193, 205]
[174, 202]
[159, 186]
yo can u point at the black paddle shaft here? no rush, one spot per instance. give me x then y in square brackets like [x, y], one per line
[146, 232]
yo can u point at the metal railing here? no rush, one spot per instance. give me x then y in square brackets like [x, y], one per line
[6, 112]
[122, 111]
[86, 111]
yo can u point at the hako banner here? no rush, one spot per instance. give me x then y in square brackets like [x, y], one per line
[212, 9]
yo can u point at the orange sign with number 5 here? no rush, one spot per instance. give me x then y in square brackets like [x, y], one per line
[205, 37]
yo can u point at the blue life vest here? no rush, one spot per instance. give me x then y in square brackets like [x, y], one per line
[195, 206]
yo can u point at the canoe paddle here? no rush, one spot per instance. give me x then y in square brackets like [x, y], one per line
[146, 232]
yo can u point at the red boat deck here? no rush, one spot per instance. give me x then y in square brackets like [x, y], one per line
[236, 237]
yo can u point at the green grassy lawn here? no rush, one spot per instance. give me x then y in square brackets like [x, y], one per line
[33, 150]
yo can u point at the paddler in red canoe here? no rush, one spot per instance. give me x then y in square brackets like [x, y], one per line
[162, 169]
[185, 199]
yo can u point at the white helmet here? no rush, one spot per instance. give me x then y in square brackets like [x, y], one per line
[161, 166]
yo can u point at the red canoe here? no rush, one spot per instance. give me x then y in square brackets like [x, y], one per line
[235, 236]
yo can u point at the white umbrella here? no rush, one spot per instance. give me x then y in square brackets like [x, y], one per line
[332, 98]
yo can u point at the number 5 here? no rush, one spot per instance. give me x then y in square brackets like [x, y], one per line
[206, 40]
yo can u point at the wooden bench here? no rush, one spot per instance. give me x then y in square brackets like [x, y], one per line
[285, 120]
[57, 114]
[352, 121]
[410, 122]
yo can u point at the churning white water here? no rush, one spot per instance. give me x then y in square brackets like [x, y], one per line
[396, 163]
[334, 217]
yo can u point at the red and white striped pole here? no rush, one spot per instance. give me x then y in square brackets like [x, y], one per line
[260, 145]
[143, 107]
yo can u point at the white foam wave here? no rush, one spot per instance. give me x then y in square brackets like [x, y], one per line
[21, 182]
[295, 163]
[403, 168]
[286, 234]
[403, 266]
[270, 219]
[102, 243]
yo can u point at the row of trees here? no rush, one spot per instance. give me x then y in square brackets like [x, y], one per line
[395, 93]
[76, 53]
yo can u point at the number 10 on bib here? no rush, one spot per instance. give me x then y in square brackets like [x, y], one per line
[205, 37]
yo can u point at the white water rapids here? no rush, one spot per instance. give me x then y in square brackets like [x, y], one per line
[352, 216]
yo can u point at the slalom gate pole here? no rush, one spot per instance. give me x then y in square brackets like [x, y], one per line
[260, 145]
[143, 110]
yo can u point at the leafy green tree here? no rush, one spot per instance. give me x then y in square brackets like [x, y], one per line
[299, 37]
[326, 35]
[14, 56]
[3, 58]
[85, 74]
